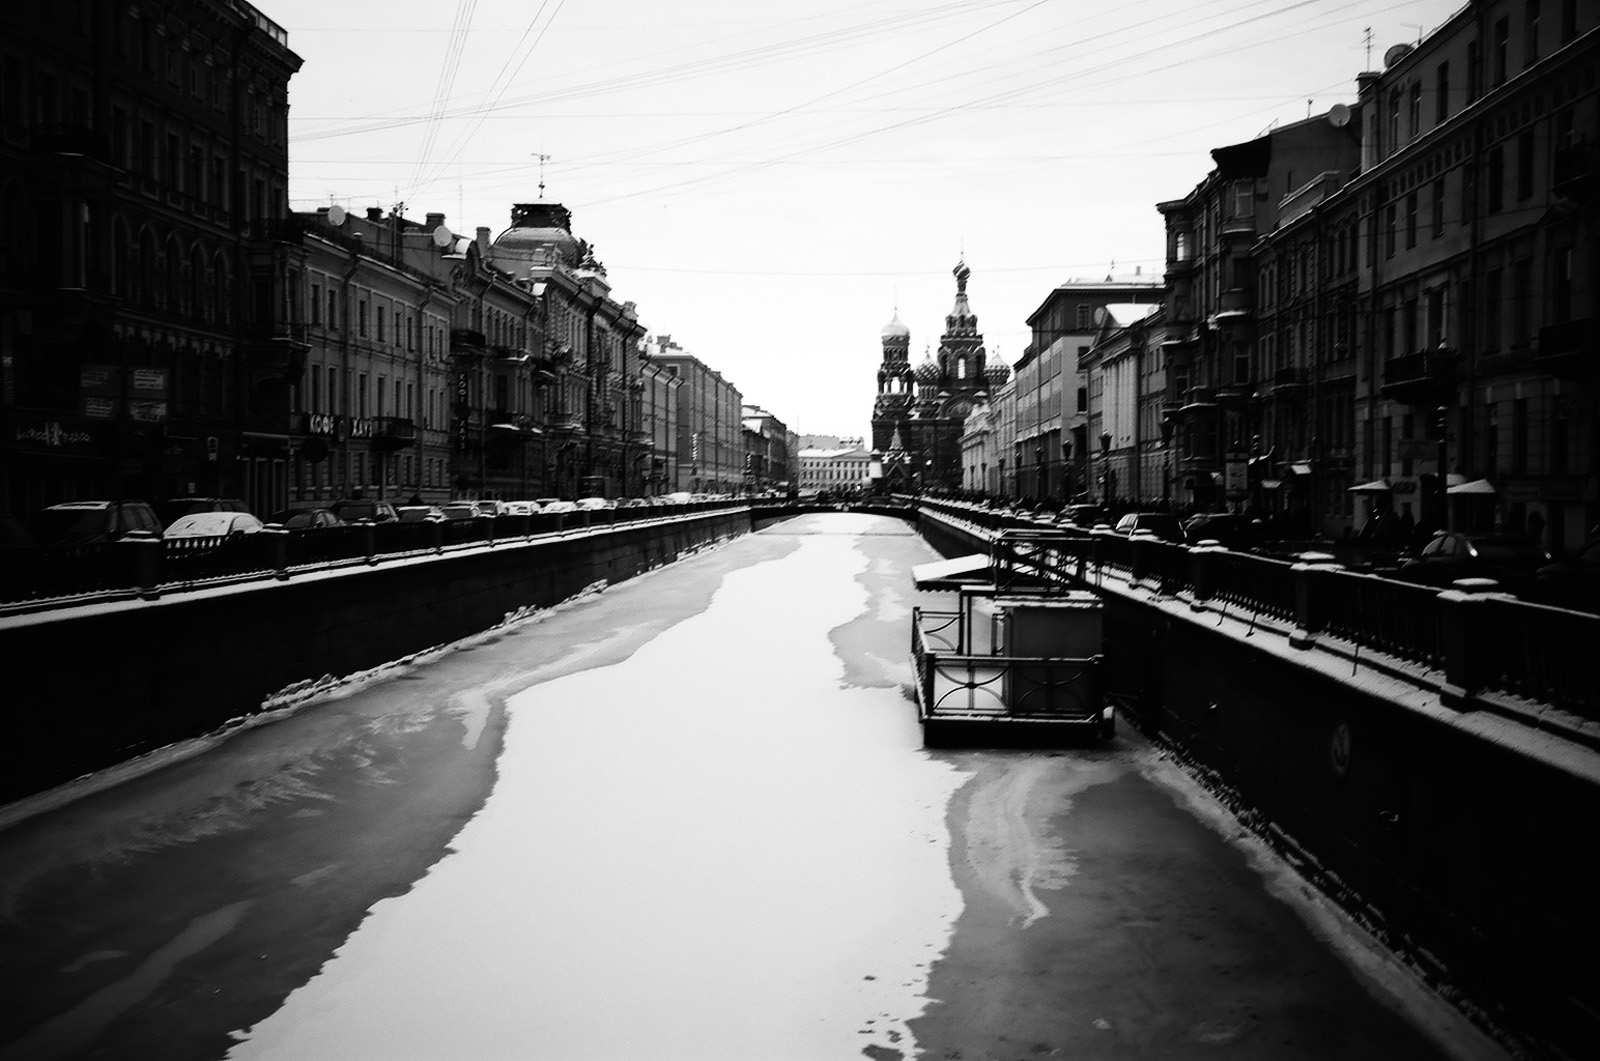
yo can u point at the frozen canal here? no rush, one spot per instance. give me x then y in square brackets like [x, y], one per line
[688, 817]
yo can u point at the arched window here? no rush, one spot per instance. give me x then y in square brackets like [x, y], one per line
[122, 263]
[173, 289]
[197, 283]
[145, 277]
[222, 290]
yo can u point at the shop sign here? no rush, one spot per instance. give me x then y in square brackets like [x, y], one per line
[50, 434]
[1236, 476]
[1404, 487]
[97, 407]
[147, 410]
[103, 381]
[148, 383]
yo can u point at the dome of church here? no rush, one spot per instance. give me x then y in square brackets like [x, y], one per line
[997, 374]
[927, 372]
[896, 330]
[540, 233]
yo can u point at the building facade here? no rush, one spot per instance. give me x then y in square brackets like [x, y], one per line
[1053, 447]
[710, 446]
[843, 470]
[143, 153]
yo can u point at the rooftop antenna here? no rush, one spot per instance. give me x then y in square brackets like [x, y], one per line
[1413, 25]
[543, 158]
[1366, 36]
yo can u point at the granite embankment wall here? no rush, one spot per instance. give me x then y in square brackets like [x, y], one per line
[1463, 836]
[94, 685]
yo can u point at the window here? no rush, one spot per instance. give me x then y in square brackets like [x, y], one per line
[333, 309]
[361, 319]
[1474, 71]
[1438, 208]
[1561, 284]
[1522, 302]
[316, 303]
[1415, 115]
[1569, 20]
[380, 326]
[1435, 337]
[1501, 44]
[316, 389]
[397, 327]
[1491, 310]
[1390, 222]
[1441, 94]
[1525, 165]
[1411, 220]
[1496, 178]
[361, 395]
[1530, 33]
[1394, 120]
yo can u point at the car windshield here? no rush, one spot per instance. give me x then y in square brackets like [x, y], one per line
[1160, 524]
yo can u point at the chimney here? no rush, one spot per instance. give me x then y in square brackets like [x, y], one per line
[374, 213]
[434, 221]
[483, 240]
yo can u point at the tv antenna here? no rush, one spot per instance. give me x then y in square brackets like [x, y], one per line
[1366, 36]
[543, 158]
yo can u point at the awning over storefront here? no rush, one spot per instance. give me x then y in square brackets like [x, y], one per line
[1271, 484]
[1475, 488]
[1377, 486]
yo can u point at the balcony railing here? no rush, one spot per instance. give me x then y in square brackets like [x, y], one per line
[393, 432]
[65, 138]
[1567, 350]
[1419, 379]
[467, 341]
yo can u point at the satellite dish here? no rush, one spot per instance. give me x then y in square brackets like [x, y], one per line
[1338, 115]
[443, 237]
[1395, 54]
[336, 215]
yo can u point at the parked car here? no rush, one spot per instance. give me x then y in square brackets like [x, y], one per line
[561, 506]
[542, 504]
[175, 507]
[313, 518]
[1571, 582]
[593, 504]
[419, 514]
[518, 508]
[1510, 560]
[362, 510]
[212, 525]
[679, 497]
[1231, 529]
[1163, 525]
[1083, 515]
[86, 522]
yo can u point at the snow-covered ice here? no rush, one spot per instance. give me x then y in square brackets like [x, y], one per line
[710, 850]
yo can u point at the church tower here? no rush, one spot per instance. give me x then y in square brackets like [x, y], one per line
[894, 384]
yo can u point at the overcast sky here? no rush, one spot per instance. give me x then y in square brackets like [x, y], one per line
[770, 182]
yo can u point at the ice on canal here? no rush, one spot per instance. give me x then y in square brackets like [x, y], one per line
[714, 849]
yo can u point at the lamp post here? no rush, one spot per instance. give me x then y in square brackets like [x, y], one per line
[1442, 424]
[1106, 479]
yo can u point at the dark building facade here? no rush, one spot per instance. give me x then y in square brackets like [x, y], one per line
[144, 342]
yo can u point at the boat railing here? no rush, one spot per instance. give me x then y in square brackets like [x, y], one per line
[956, 685]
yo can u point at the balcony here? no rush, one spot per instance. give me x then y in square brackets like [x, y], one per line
[393, 432]
[279, 347]
[1567, 350]
[508, 355]
[278, 230]
[1236, 305]
[1236, 393]
[64, 138]
[1200, 401]
[1239, 228]
[566, 422]
[467, 342]
[1573, 170]
[1290, 384]
[1419, 379]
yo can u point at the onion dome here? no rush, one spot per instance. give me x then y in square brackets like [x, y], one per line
[997, 374]
[896, 330]
[540, 234]
[928, 372]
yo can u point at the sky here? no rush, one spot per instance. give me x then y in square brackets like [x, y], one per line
[771, 183]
